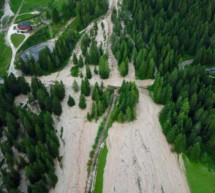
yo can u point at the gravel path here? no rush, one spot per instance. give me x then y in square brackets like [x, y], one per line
[7, 13]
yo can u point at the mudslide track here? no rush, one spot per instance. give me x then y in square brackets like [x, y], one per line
[91, 175]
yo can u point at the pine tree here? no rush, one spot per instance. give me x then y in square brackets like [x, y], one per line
[71, 101]
[88, 72]
[55, 16]
[56, 106]
[85, 87]
[123, 68]
[80, 62]
[120, 117]
[171, 135]
[24, 86]
[75, 86]
[129, 115]
[75, 60]
[180, 143]
[58, 90]
[82, 102]
[95, 70]
[104, 69]
[194, 152]
[211, 145]
[100, 108]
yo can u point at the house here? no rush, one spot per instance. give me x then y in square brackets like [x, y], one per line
[24, 27]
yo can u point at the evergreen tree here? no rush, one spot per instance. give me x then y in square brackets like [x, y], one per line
[75, 60]
[55, 16]
[71, 101]
[123, 68]
[75, 86]
[80, 62]
[56, 106]
[129, 115]
[120, 117]
[88, 72]
[82, 102]
[171, 135]
[58, 90]
[180, 143]
[24, 86]
[194, 152]
[104, 69]
[85, 87]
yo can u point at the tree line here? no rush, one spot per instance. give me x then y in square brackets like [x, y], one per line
[188, 116]
[92, 54]
[48, 101]
[101, 100]
[51, 61]
[125, 108]
[29, 144]
[158, 35]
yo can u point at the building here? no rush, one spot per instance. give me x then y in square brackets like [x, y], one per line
[24, 27]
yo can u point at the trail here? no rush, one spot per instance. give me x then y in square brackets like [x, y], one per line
[17, 13]
[91, 176]
[7, 13]
[64, 28]
[9, 42]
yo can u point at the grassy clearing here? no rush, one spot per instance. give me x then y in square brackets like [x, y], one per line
[5, 55]
[25, 17]
[200, 179]
[31, 5]
[17, 39]
[15, 5]
[100, 170]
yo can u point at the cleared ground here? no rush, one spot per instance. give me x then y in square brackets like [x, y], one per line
[139, 158]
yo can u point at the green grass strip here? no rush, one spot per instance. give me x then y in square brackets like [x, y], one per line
[17, 39]
[200, 179]
[100, 170]
[5, 56]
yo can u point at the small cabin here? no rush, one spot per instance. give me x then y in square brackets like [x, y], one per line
[24, 27]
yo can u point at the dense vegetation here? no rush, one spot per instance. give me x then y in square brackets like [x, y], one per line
[48, 101]
[188, 118]
[101, 100]
[92, 54]
[29, 144]
[157, 36]
[51, 61]
[125, 108]
[85, 12]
